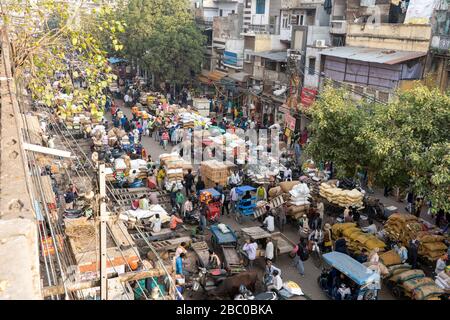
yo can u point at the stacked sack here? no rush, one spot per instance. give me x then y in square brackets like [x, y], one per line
[116, 134]
[405, 227]
[356, 238]
[298, 204]
[341, 197]
[431, 246]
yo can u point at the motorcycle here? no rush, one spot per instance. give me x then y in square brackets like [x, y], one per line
[208, 279]
[245, 294]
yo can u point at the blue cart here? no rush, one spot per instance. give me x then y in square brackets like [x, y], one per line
[226, 244]
[245, 207]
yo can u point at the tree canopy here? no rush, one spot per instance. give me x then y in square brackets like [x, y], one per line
[162, 36]
[405, 143]
[53, 40]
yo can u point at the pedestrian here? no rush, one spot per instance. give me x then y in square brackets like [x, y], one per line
[143, 203]
[234, 197]
[213, 260]
[327, 238]
[281, 215]
[298, 151]
[203, 213]
[269, 252]
[180, 198]
[175, 221]
[250, 249]
[413, 252]
[69, 198]
[261, 193]
[165, 139]
[269, 271]
[156, 224]
[269, 222]
[287, 174]
[187, 207]
[277, 282]
[418, 203]
[200, 185]
[218, 188]
[225, 201]
[179, 264]
[409, 199]
[441, 263]
[160, 177]
[301, 256]
[371, 228]
[341, 245]
[188, 182]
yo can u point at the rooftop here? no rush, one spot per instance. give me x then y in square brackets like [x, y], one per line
[373, 55]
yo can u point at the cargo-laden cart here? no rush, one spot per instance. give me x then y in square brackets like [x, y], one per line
[226, 243]
[282, 244]
[413, 284]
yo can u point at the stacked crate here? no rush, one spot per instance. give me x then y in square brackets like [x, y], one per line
[214, 172]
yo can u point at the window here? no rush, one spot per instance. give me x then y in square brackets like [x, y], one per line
[232, 11]
[270, 65]
[220, 12]
[285, 22]
[248, 3]
[260, 6]
[312, 66]
[302, 19]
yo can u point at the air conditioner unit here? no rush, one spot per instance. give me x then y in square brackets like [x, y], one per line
[320, 43]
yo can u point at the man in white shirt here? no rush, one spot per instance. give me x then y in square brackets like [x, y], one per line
[277, 282]
[269, 249]
[371, 229]
[288, 174]
[156, 225]
[250, 249]
[269, 223]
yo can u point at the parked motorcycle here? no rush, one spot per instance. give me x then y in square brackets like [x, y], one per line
[208, 279]
[245, 294]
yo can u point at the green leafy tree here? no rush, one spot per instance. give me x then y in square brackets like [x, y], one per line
[162, 36]
[54, 38]
[405, 143]
[411, 140]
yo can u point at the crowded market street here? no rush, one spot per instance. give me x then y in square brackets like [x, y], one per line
[182, 151]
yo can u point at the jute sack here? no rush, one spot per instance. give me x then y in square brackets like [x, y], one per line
[375, 243]
[425, 291]
[287, 186]
[390, 258]
[407, 275]
[275, 192]
[434, 246]
[347, 232]
[412, 284]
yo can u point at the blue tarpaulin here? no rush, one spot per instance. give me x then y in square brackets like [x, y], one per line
[351, 268]
[244, 189]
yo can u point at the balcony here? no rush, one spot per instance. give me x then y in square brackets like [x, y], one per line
[300, 4]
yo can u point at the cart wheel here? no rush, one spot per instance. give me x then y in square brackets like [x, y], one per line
[397, 292]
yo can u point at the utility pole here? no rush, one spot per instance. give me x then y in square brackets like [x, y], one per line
[103, 220]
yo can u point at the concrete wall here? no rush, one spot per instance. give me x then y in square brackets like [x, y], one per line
[260, 19]
[390, 36]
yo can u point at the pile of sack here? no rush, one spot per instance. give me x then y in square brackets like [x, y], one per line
[296, 195]
[405, 227]
[341, 197]
[356, 239]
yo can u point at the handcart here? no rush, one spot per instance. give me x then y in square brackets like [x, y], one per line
[226, 244]
[212, 199]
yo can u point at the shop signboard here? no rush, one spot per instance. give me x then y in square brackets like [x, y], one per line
[289, 122]
[308, 97]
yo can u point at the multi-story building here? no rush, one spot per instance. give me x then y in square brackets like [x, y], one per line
[440, 46]
[386, 45]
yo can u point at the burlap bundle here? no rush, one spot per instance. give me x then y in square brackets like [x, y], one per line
[287, 186]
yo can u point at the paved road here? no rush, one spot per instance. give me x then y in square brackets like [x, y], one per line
[308, 282]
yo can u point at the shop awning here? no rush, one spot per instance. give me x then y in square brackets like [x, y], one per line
[383, 56]
[207, 77]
